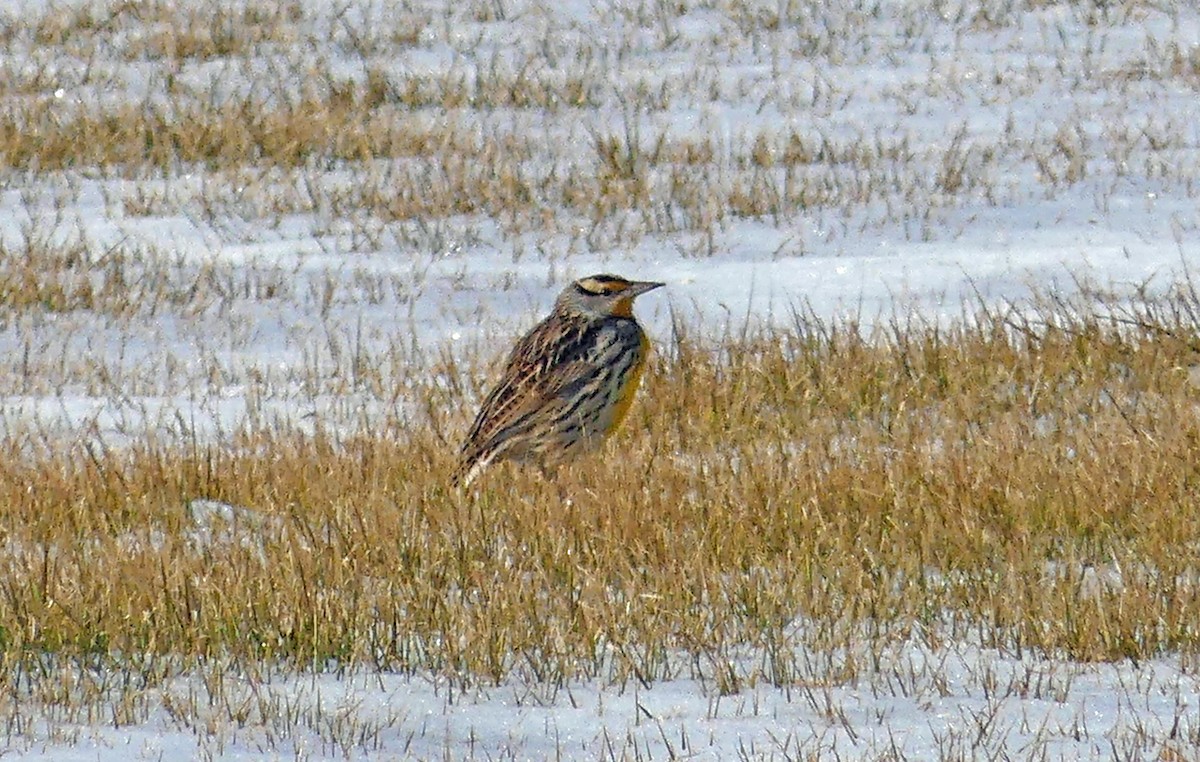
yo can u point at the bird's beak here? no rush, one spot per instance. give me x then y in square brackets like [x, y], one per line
[637, 288]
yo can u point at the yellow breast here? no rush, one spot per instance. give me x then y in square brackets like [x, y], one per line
[627, 393]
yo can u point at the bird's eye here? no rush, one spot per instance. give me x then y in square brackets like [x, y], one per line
[601, 285]
[592, 288]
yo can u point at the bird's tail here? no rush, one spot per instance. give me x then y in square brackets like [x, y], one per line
[468, 468]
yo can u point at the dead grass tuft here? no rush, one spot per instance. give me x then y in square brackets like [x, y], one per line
[1026, 477]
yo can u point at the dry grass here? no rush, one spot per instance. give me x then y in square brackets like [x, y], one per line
[60, 274]
[969, 480]
[565, 132]
[785, 505]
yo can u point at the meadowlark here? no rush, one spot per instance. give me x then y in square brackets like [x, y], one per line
[568, 383]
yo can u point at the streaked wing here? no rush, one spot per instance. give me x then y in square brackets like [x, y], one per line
[546, 363]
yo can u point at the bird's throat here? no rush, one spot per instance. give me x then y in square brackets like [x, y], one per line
[623, 307]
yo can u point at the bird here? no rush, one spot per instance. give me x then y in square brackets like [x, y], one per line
[567, 384]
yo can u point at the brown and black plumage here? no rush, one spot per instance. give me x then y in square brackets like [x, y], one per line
[568, 383]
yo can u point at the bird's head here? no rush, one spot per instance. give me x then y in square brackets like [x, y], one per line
[603, 295]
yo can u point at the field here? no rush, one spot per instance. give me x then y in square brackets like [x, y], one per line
[913, 474]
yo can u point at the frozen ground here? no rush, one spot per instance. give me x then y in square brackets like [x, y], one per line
[1006, 147]
[921, 703]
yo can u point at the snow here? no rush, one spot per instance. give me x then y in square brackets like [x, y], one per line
[289, 300]
[954, 701]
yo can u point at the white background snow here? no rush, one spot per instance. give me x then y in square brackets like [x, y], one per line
[1009, 80]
